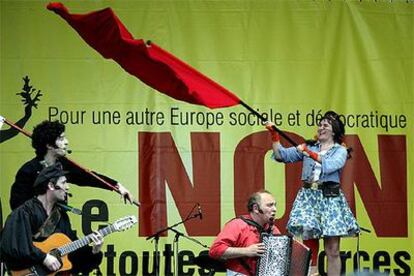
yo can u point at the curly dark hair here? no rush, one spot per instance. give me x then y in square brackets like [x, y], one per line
[338, 129]
[45, 134]
[337, 125]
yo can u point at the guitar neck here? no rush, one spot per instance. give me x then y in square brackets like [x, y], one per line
[75, 245]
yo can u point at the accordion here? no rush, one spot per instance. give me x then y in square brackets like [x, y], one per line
[284, 256]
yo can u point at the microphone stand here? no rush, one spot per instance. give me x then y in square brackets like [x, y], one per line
[156, 238]
[357, 249]
[177, 236]
[157, 235]
[175, 245]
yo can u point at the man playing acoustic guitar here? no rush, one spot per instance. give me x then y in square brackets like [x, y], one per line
[28, 230]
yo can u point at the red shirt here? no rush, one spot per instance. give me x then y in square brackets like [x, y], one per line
[237, 233]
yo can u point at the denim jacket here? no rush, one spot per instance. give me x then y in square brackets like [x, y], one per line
[332, 162]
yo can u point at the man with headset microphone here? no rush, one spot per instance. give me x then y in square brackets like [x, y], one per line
[238, 244]
[35, 221]
[51, 146]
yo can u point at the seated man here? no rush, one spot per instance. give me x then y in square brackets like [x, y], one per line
[238, 243]
[39, 218]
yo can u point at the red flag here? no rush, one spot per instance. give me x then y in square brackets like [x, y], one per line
[104, 32]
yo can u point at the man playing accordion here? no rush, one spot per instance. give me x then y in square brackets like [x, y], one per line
[238, 244]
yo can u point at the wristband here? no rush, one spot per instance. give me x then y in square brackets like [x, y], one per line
[274, 134]
[311, 154]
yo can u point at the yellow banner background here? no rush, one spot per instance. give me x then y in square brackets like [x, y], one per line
[291, 57]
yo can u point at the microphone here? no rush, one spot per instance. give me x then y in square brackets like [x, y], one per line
[365, 229]
[200, 214]
[67, 150]
[66, 192]
[69, 208]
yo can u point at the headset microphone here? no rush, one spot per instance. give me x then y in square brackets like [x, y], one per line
[68, 151]
[259, 209]
[60, 188]
[69, 208]
[200, 214]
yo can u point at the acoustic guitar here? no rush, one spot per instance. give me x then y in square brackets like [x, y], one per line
[59, 245]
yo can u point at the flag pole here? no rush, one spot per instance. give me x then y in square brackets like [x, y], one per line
[28, 134]
[284, 135]
[7, 122]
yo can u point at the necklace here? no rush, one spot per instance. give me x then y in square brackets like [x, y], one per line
[326, 146]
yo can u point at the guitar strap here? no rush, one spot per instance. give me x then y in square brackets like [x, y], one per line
[49, 226]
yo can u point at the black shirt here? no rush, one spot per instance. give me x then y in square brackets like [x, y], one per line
[22, 188]
[16, 242]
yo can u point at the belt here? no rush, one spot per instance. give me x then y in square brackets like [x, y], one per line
[312, 185]
[319, 185]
